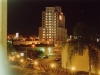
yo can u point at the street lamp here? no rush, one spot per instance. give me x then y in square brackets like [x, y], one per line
[18, 56]
[22, 60]
[33, 45]
[99, 72]
[73, 69]
[35, 63]
[26, 54]
[53, 65]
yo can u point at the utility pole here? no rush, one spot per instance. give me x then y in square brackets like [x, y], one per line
[26, 54]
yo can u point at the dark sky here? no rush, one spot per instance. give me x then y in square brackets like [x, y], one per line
[25, 16]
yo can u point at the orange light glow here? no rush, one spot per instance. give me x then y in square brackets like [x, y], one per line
[33, 45]
[60, 17]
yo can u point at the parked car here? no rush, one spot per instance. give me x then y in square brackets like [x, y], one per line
[57, 58]
[46, 56]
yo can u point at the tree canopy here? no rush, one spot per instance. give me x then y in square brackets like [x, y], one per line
[87, 38]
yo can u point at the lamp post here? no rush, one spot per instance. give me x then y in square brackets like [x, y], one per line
[26, 54]
[73, 69]
[53, 65]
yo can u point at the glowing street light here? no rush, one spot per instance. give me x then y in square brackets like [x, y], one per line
[60, 17]
[33, 45]
[22, 60]
[18, 56]
[73, 69]
[99, 72]
[36, 63]
[53, 65]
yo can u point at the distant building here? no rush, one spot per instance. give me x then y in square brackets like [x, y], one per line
[17, 39]
[53, 26]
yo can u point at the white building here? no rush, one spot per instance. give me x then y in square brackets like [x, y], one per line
[53, 26]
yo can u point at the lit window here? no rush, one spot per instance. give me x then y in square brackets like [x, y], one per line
[49, 21]
[49, 13]
[49, 26]
[49, 16]
[49, 31]
[46, 18]
[60, 17]
[43, 28]
[49, 36]
[54, 21]
[43, 31]
[43, 36]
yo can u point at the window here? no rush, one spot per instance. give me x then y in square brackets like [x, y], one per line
[49, 13]
[49, 31]
[49, 36]
[49, 26]
[43, 31]
[46, 13]
[49, 21]
[49, 16]
[43, 34]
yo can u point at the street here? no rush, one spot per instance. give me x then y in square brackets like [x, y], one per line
[16, 70]
[41, 67]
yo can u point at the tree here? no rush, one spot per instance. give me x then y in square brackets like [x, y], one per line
[10, 48]
[86, 39]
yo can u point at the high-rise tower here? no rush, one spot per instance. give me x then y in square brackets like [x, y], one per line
[53, 25]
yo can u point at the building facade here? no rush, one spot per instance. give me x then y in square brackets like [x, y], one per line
[53, 25]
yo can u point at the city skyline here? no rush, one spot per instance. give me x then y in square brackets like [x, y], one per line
[25, 16]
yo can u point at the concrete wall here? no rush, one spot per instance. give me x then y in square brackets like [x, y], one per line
[80, 63]
[3, 37]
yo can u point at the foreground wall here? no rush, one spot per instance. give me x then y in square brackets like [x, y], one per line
[79, 62]
[3, 37]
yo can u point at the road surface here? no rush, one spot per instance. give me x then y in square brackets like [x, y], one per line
[16, 70]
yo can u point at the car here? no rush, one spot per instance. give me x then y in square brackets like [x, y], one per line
[57, 59]
[46, 56]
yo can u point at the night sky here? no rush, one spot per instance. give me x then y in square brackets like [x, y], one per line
[25, 16]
